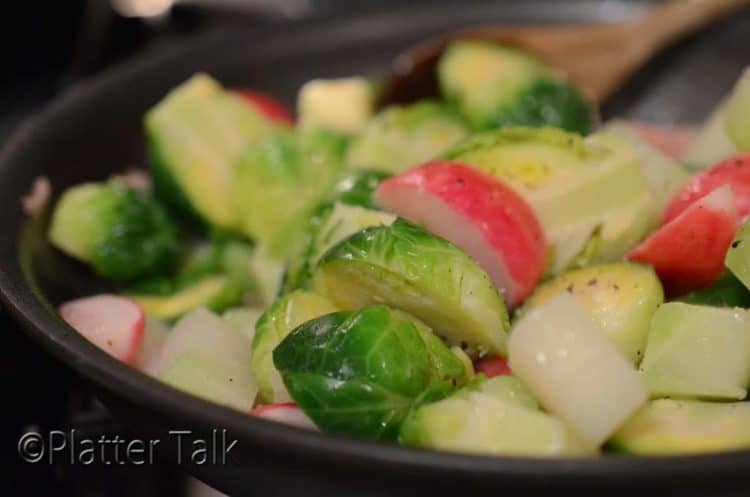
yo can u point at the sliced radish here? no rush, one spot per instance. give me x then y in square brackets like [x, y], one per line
[287, 413]
[734, 172]
[688, 252]
[268, 106]
[478, 213]
[672, 142]
[114, 324]
[492, 366]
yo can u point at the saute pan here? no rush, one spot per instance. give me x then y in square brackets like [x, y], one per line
[94, 130]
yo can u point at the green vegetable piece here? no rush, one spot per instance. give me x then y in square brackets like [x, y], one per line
[408, 268]
[727, 291]
[579, 189]
[402, 137]
[341, 105]
[358, 188]
[493, 417]
[736, 112]
[497, 86]
[243, 320]
[295, 171]
[738, 256]
[342, 222]
[195, 135]
[620, 297]
[698, 351]
[124, 234]
[272, 327]
[683, 427]
[215, 292]
[360, 372]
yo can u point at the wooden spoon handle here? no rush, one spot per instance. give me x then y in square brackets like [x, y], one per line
[668, 22]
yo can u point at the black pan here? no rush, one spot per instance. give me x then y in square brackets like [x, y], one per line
[95, 129]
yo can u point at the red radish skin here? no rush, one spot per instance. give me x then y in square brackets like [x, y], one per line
[114, 324]
[688, 252]
[268, 106]
[672, 142]
[734, 172]
[492, 366]
[478, 213]
[287, 413]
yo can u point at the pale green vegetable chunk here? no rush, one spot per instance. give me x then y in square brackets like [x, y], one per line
[676, 427]
[274, 325]
[698, 351]
[573, 370]
[621, 298]
[402, 137]
[243, 320]
[737, 113]
[738, 256]
[493, 417]
[406, 267]
[341, 105]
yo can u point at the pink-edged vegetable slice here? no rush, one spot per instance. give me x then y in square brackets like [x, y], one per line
[268, 106]
[492, 366]
[688, 252]
[487, 219]
[114, 324]
[672, 142]
[286, 412]
[734, 172]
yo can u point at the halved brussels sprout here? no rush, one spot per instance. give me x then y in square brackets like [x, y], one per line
[406, 267]
[279, 181]
[496, 417]
[361, 372]
[580, 189]
[195, 134]
[401, 137]
[272, 327]
[496, 86]
[123, 233]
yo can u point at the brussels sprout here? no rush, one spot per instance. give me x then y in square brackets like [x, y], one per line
[727, 291]
[401, 137]
[578, 188]
[408, 268]
[123, 233]
[355, 189]
[272, 327]
[495, 86]
[279, 181]
[195, 134]
[495, 417]
[360, 372]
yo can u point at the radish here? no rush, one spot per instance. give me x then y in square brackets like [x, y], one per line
[688, 252]
[114, 324]
[492, 366]
[268, 106]
[734, 172]
[672, 142]
[492, 223]
[287, 413]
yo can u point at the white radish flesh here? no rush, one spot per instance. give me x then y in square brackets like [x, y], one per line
[287, 413]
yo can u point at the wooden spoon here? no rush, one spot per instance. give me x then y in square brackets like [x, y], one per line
[597, 58]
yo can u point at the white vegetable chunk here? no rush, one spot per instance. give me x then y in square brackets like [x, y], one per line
[574, 371]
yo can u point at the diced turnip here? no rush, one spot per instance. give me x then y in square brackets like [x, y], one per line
[573, 370]
[154, 336]
[688, 252]
[478, 213]
[287, 413]
[204, 356]
[734, 172]
[114, 324]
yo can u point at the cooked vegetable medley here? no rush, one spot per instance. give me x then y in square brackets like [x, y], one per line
[489, 273]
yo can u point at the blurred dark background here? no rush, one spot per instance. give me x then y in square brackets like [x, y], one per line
[47, 46]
